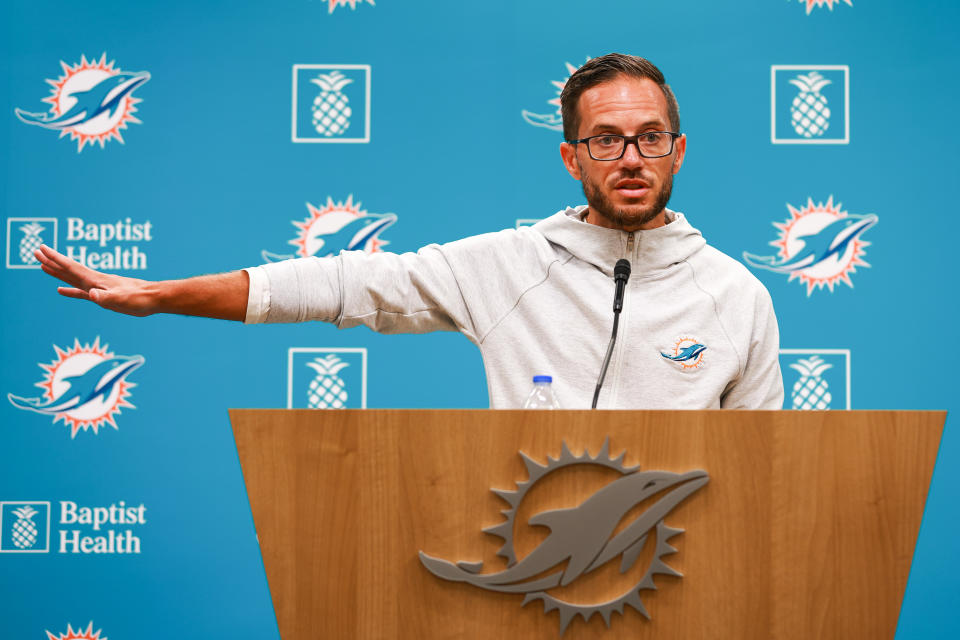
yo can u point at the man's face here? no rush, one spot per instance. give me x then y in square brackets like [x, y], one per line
[629, 193]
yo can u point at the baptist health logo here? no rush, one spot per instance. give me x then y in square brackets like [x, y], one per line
[85, 386]
[816, 379]
[92, 102]
[810, 104]
[322, 378]
[820, 245]
[25, 528]
[331, 103]
[335, 227]
[116, 245]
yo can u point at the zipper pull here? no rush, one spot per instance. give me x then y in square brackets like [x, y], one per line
[629, 255]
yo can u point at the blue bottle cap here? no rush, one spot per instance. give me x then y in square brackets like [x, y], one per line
[537, 379]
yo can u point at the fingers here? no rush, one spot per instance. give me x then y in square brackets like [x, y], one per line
[70, 292]
[61, 267]
[60, 274]
[46, 254]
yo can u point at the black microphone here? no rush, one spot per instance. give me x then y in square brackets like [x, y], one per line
[621, 273]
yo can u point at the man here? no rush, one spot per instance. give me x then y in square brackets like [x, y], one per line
[697, 329]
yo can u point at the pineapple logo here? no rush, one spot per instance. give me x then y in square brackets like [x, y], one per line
[79, 634]
[809, 112]
[820, 245]
[31, 242]
[85, 387]
[32, 233]
[810, 104]
[24, 527]
[819, 3]
[331, 103]
[552, 120]
[331, 108]
[823, 378]
[810, 391]
[327, 389]
[319, 378]
[91, 102]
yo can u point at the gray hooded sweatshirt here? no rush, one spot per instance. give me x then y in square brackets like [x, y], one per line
[697, 329]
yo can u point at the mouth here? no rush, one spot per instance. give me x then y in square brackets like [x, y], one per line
[632, 188]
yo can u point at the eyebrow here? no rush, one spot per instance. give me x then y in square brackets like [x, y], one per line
[609, 127]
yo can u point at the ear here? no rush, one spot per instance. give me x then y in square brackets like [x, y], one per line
[680, 147]
[569, 154]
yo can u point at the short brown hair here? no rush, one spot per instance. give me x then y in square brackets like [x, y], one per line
[599, 70]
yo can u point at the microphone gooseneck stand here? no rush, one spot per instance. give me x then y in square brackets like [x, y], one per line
[621, 273]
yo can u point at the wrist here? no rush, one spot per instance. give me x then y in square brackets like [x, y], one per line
[160, 296]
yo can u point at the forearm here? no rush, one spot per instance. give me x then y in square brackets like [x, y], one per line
[222, 296]
[389, 293]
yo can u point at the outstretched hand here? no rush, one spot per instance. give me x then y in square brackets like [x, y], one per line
[117, 293]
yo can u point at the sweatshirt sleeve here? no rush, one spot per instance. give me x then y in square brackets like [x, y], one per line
[760, 386]
[389, 293]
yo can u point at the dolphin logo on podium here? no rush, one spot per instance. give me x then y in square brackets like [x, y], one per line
[584, 537]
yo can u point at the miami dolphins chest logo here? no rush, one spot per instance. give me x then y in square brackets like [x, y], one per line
[820, 245]
[687, 352]
[336, 227]
[91, 102]
[584, 538]
[85, 387]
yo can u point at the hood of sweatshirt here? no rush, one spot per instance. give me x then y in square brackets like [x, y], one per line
[653, 249]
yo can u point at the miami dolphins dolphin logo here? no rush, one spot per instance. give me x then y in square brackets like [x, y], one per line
[820, 245]
[343, 3]
[553, 120]
[78, 634]
[91, 102]
[336, 227]
[686, 351]
[84, 387]
[584, 537]
[819, 3]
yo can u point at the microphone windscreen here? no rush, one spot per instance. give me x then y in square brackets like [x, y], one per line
[621, 271]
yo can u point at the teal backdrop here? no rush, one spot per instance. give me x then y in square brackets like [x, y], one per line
[254, 130]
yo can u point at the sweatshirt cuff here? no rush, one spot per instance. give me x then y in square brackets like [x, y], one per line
[258, 298]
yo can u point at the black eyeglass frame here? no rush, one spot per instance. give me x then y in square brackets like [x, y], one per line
[634, 140]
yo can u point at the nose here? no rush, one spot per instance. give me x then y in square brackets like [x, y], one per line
[631, 154]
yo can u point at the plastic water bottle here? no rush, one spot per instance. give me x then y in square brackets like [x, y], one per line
[542, 396]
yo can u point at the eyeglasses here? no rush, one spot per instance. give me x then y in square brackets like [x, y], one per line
[608, 146]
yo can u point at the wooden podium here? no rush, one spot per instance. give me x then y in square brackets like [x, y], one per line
[806, 528]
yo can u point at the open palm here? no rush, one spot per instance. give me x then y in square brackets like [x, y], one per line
[117, 293]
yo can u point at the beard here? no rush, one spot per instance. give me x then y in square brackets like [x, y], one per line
[634, 216]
